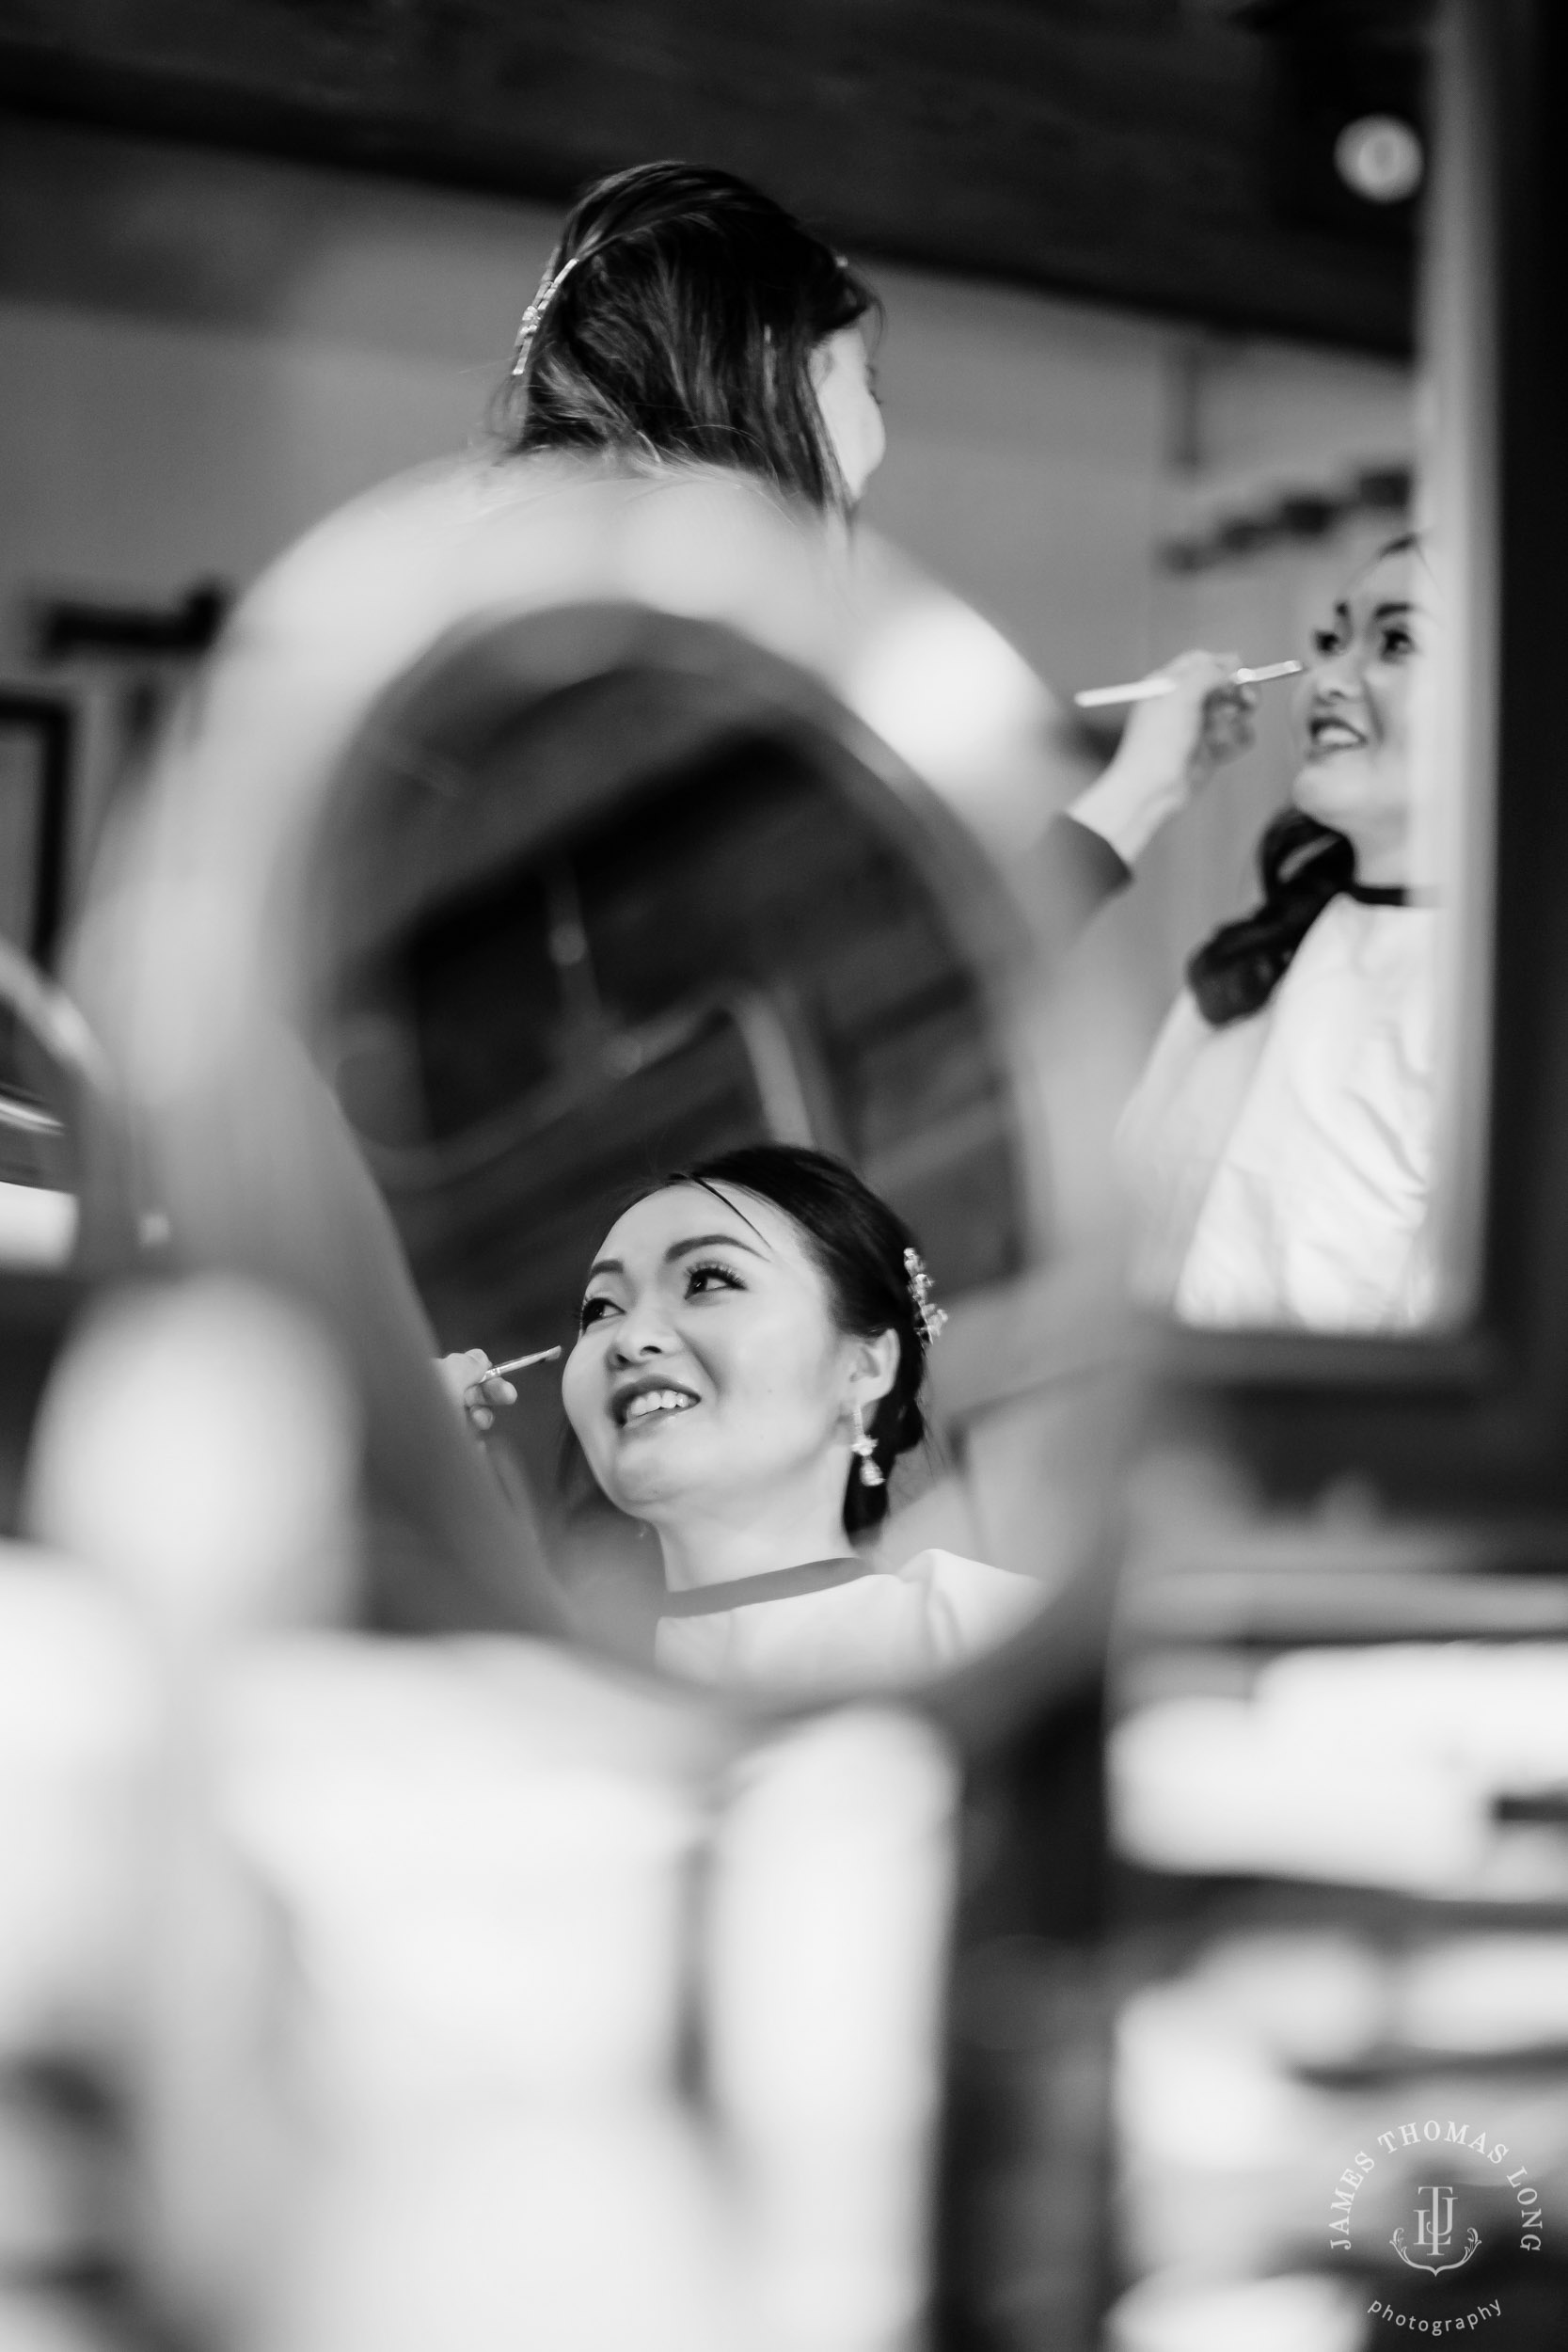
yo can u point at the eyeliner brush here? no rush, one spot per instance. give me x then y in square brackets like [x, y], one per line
[520, 1363]
[1144, 690]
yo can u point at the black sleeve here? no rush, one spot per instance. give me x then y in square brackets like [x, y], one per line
[1082, 873]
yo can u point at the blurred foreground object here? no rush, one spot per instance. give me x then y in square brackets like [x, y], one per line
[78, 1731]
[398, 1966]
[1337, 1770]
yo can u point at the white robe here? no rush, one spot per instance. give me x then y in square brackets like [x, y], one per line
[893, 1626]
[1281, 1167]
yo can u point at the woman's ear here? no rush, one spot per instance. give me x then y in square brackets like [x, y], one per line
[874, 1367]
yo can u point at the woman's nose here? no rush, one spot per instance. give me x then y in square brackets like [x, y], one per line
[642, 1331]
[1337, 678]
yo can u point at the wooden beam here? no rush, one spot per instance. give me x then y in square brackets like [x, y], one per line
[1118, 150]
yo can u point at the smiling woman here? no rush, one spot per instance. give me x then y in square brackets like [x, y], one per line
[1281, 1142]
[748, 1365]
[1355, 774]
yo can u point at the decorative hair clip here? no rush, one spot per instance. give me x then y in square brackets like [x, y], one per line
[930, 1318]
[534, 316]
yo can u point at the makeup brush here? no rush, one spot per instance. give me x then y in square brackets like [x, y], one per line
[518, 1363]
[1144, 690]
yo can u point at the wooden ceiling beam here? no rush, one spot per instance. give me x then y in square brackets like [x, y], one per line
[1118, 150]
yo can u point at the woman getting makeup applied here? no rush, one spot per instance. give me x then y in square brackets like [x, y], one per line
[685, 322]
[1280, 1143]
[749, 1368]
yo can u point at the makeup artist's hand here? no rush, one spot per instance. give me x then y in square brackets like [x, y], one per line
[474, 1388]
[1171, 746]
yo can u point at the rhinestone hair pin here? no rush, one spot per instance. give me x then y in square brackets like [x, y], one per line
[930, 1317]
[532, 317]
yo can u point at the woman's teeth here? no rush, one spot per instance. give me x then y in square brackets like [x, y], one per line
[658, 1400]
[1332, 734]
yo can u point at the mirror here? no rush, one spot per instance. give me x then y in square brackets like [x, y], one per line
[1301, 938]
[564, 896]
[651, 925]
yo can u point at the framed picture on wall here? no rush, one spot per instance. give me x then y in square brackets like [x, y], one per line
[36, 730]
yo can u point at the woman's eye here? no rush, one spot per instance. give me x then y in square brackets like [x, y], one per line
[1396, 643]
[595, 1311]
[1325, 641]
[708, 1278]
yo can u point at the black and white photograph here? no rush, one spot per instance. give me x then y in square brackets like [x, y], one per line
[784, 1132]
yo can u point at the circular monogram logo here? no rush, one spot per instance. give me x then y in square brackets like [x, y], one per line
[1434, 2214]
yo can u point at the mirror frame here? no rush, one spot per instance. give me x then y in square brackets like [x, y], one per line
[1473, 1419]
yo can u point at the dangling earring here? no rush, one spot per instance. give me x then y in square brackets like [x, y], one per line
[864, 1446]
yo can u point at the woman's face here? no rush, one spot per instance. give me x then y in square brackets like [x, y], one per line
[1355, 709]
[710, 1372]
[841, 374]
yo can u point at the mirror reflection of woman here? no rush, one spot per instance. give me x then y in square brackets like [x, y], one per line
[1280, 1142]
[749, 1368]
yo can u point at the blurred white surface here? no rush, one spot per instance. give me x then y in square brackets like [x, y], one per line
[199, 1444]
[78, 1721]
[1294, 2314]
[38, 1227]
[50, 2323]
[411, 1967]
[1368, 1766]
[832, 1887]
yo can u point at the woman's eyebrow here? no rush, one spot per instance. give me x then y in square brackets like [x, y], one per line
[604, 1265]
[1392, 612]
[706, 1241]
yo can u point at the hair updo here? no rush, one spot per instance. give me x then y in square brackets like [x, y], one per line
[687, 309]
[857, 1244]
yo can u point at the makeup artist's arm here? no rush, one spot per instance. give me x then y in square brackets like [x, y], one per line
[1171, 746]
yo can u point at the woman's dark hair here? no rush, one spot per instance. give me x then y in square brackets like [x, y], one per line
[685, 312]
[1302, 865]
[857, 1244]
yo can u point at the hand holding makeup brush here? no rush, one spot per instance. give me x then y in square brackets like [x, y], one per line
[480, 1386]
[1173, 742]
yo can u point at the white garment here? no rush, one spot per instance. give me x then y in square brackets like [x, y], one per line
[1282, 1166]
[893, 1626]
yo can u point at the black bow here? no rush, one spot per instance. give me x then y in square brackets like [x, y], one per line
[1301, 866]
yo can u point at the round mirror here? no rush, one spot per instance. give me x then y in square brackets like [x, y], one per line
[581, 831]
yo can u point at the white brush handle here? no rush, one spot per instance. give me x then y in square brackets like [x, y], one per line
[520, 1363]
[1146, 690]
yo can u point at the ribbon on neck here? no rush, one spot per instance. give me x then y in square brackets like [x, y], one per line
[1302, 865]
